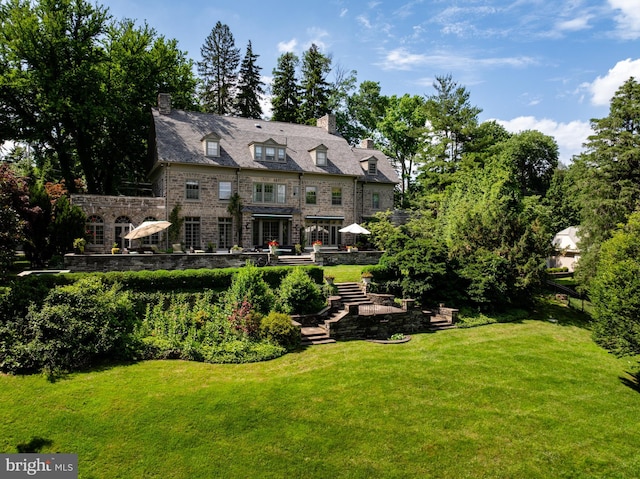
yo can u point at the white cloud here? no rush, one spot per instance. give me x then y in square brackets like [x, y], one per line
[575, 25]
[364, 21]
[402, 59]
[343, 12]
[628, 19]
[316, 36]
[602, 89]
[290, 46]
[569, 136]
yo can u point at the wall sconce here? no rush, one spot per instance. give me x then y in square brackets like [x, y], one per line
[247, 226]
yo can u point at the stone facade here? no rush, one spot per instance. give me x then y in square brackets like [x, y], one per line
[296, 183]
[140, 262]
[111, 208]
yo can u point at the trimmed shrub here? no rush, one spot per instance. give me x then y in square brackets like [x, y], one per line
[279, 329]
[80, 324]
[298, 294]
[248, 285]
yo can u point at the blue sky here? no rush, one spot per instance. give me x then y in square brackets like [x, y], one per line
[550, 65]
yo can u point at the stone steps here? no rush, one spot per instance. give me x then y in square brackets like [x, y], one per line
[315, 335]
[352, 294]
[294, 260]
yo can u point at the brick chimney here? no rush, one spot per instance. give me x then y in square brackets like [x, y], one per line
[328, 122]
[367, 144]
[164, 103]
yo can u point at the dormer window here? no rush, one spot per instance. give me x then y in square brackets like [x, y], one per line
[213, 148]
[211, 144]
[372, 167]
[319, 154]
[269, 152]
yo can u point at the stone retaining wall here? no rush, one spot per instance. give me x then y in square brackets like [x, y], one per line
[354, 325]
[333, 258]
[140, 262]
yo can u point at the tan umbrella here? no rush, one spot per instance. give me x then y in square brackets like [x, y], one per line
[147, 228]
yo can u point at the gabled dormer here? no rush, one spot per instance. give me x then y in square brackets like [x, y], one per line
[370, 165]
[269, 150]
[211, 145]
[319, 155]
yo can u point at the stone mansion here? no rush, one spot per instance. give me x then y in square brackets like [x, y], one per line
[295, 182]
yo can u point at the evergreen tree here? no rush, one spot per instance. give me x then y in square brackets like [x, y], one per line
[250, 87]
[285, 100]
[316, 91]
[218, 70]
[450, 122]
[607, 175]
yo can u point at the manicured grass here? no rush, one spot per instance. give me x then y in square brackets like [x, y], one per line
[344, 273]
[530, 399]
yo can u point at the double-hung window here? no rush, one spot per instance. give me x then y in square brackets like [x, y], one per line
[336, 196]
[192, 190]
[311, 195]
[269, 193]
[224, 190]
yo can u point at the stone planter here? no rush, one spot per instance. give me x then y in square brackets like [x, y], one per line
[316, 248]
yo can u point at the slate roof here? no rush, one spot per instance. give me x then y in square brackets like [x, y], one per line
[179, 136]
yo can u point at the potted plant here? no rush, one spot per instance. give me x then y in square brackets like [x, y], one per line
[367, 277]
[115, 249]
[79, 244]
[235, 249]
[298, 249]
[329, 279]
[316, 245]
[273, 247]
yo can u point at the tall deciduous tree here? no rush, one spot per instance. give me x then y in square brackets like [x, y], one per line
[79, 87]
[534, 157]
[250, 86]
[401, 130]
[285, 91]
[607, 175]
[315, 89]
[218, 70]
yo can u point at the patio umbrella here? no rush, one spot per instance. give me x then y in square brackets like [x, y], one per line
[147, 228]
[355, 229]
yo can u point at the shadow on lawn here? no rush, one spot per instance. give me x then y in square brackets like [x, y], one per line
[633, 381]
[560, 313]
[34, 445]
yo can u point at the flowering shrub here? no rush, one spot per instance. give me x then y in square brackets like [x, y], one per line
[273, 243]
[317, 243]
[244, 319]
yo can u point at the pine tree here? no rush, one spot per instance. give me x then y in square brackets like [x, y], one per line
[607, 175]
[285, 100]
[316, 91]
[218, 69]
[250, 88]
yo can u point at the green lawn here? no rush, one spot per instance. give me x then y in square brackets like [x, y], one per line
[531, 399]
[344, 273]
